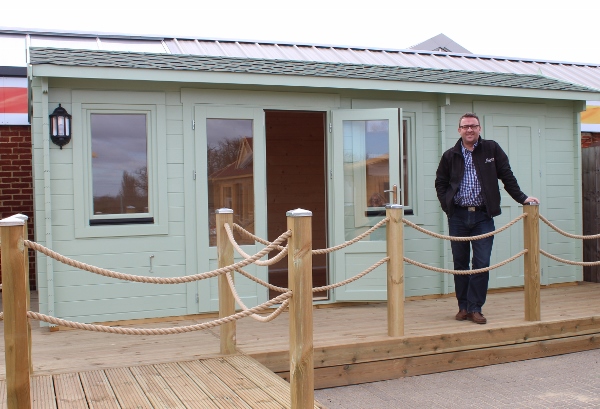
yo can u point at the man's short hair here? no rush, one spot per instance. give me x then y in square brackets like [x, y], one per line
[469, 115]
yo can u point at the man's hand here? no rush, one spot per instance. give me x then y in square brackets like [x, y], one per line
[532, 199]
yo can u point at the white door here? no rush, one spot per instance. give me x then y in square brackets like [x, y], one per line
[366, 162]
[518, 137]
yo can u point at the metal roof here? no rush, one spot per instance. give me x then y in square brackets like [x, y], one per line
[587, 75]
[114, 59]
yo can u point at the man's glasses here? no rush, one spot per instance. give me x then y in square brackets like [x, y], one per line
[465, 127]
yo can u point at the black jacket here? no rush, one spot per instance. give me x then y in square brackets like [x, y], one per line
[491, 164]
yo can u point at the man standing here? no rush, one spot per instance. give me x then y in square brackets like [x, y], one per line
[467, 187]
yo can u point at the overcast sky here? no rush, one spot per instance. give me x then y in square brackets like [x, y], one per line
[564, 31]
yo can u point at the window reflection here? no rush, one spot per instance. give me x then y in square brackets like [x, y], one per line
[366, 175]
[230, 173]
[119, 163]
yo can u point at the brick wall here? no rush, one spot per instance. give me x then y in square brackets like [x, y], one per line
[590, 139]
[16, 181]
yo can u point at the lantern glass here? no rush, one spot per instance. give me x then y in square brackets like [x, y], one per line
[54, 125]
[60, 126]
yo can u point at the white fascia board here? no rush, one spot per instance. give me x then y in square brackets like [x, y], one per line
[14, 119]
[141, 74]
[590, 127]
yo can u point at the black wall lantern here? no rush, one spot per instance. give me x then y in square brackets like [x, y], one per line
[60, 126]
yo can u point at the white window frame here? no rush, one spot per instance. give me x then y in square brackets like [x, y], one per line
[86, 103]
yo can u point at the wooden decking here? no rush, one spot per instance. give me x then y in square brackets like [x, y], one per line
[229, 382]
[351, 342]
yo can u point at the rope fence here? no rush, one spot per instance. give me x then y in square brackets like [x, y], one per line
[458, 238]
[160, 331]
[466, 272]
[156, 280]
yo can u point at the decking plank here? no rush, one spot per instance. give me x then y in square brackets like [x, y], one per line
[219, 392]
[42, 392]
[69, 392]
[126, 388]
[98, 391]
[245, 387]
[268, 381]
[275, 386]
[155, 388]
[2, 394]
[184, 387]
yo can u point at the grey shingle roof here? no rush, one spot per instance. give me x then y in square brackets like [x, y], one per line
[115, 59]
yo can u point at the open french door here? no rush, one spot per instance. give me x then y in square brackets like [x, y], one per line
[367, 146]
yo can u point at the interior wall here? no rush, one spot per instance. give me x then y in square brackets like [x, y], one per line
[296, 178]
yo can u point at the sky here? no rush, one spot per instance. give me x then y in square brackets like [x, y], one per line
[548, 30]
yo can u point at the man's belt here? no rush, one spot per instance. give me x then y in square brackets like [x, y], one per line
[475, 208]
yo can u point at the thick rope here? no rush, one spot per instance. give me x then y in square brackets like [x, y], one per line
[261, 282]
[253, 237]
[158, 331]
[354, 240]
[574, 263]
[257, 317]
[156, 280]
[465, 272]
[564, 233]
[242, 253]
[351, 279]
[468, 238]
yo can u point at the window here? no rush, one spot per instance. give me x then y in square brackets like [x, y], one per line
[119, 168]
[230, 172]
[119, 163]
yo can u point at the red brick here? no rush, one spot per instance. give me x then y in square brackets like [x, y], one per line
[20, 184]
[22, 198]
[21, 162]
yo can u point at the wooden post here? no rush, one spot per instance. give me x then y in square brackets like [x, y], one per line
[27, 286]
[302, 381]
[531, 241]
[14, 298]
[395, 270]
[226, 300]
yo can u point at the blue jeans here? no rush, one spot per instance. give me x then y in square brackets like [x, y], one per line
[471, 289]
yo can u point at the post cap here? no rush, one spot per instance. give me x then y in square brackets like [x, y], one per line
[531, 204]
[224, 210]
[298, 213]
[12, 221]
[393, 206]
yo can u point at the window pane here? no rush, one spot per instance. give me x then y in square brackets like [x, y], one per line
[366, 175]
[230, 173]
[119, 163]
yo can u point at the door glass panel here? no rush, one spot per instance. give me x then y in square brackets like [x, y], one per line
[230, 173]
[366, 175]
